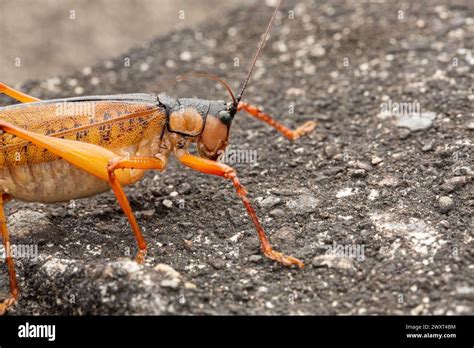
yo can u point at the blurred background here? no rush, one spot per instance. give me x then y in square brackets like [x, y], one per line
[56, 37]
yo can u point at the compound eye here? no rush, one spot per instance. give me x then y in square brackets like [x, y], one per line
[225, 117]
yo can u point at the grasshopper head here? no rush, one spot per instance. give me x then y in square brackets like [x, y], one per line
[215, 136]
[206, 122]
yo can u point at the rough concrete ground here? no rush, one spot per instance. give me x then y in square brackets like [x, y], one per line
[394, 186]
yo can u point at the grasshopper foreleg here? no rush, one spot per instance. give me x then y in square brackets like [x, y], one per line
[215, 168]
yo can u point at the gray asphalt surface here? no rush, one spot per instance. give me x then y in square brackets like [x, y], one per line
[389, 193]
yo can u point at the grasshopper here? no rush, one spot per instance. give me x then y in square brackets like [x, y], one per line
[52, 151]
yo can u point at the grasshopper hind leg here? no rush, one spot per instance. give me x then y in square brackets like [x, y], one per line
[14, 291]
[17, 95]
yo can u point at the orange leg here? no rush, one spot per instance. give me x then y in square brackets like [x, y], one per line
[14, 292]
[17, 95]
[306, 128]
[136, 162]
[215, 168]
[96, 161]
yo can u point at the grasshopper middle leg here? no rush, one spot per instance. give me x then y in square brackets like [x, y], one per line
[96, 161]
[136, 162]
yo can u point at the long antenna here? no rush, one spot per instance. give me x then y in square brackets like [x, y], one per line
[252, 66]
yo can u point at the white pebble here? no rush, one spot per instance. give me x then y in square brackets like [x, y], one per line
[144, 66]
[87, 71]
[346, 192]
[95, 81]
[186, 56]
[170, 63]
[72, 82]
[78, 90]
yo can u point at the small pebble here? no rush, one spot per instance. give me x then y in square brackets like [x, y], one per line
[72, 82]
[269, 202]
[170, 64]
[417, 122]
[147, 214]
[444, 224]
[94, 81]
[417, 310]
[167, 203]
[427, 147]
[330, 151]
[255, 258]
[184, 188]
[304, 204]
[172, 278]
[445, 204]
[87, 71]
[144, 66]
[362, 165]
[452, 184]
[388, 181]
[376, 160]
[358, 173]
[190, 286]
[334, 261]
[218, 264]
[345, 192]
[277, 213]
[26, 221]
[284, 234]
[78, 90]
[373, 195]
[466, 292]
[404, 133]
[186, 56]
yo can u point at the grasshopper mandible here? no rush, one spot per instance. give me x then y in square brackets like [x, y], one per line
[127, 135]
